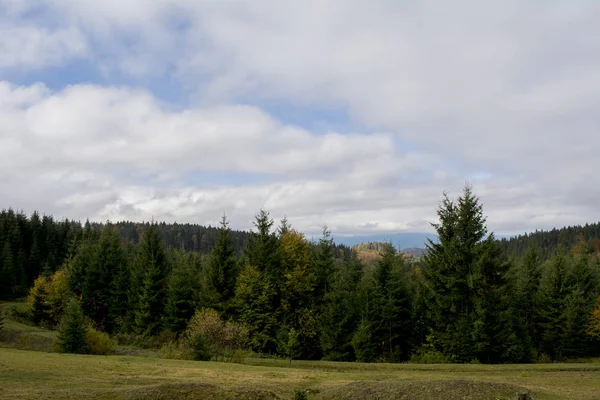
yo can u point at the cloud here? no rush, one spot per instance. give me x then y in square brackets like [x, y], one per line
[504, 94]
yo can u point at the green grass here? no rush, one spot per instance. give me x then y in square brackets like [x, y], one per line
[45, 375]
[38, 375]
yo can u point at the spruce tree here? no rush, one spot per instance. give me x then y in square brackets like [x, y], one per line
[98, 291]
[393, 304]
[324, 263]
[254, 296]
[150, 285]
[183, 288]
[222, 269]
[465, 275]
[8, 279]
[72, 331]
[262, 250]
[340, 316]
[550, 302]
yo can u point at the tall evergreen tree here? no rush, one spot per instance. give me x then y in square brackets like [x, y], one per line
[222, 269]
[8, 279]
[72, 330]
[550, 301]
[183, 287]
[340, 316]
[465, 275]
[324, 263]
[98, 290]
[150, 284]
[262, 250]
[393, 305]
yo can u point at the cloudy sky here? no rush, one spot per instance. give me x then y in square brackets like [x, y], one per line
[355, 114]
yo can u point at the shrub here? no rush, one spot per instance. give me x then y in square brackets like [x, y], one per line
[99, 343]
[210, 336]
[428, 355]
[175, 350]
[198, 348]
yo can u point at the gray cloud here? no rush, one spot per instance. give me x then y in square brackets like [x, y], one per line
[504, 94]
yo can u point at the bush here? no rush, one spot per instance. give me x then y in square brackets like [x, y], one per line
[175, 350]
[198, 348]
[428, 355]
[99, 343]
[210, 336]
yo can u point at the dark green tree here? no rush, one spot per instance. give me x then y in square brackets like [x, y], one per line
[183, 291]
[262, 250]
[465, 275]
[222, 269]
[8, 279]
[393, 305]
[254, 294]
[150, 284]
[324, 263]
[98, 293]
[72, 331]
[340, 316]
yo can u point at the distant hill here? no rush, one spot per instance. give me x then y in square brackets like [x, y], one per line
[401, 241]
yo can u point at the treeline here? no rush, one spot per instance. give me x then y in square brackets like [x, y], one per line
[464, 301]
[553, 242]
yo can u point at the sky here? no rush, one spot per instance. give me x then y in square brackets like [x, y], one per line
[354, 114]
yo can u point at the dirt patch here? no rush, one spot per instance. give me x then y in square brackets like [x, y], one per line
[193, 391]
[423, 390]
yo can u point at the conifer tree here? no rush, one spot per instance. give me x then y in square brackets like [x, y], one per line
[340, 315]
[8, 281]
[98, 293]
[393, 305]
[262, 250]
[324, 263]
[550, 300]
[254, 296]
[183, 288]
[465, 275]
[150, 285]
[222, 269]
[72, 331]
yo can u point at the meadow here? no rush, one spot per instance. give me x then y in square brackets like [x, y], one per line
[41, 375]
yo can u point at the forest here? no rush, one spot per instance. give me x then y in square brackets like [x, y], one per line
[212, 290]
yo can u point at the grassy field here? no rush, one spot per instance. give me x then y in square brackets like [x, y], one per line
[26, 374]
[39, 375]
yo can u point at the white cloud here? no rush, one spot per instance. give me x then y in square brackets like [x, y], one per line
[504, 92]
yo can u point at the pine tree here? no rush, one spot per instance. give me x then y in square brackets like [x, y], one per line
[393, 305]
[222, 269]
[8, 279]
[72, 331]
[550, 300]
[183, 287]
[465, 275]
[150, 285]
[340, 315]
[98, 291]
[324, 263]
[254, 294]
[262, 250]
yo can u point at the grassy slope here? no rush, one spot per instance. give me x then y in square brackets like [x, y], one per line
[38, 375]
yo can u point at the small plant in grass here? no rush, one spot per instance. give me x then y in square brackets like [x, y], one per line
[73, 330]
[1, 321]
[300, 394]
